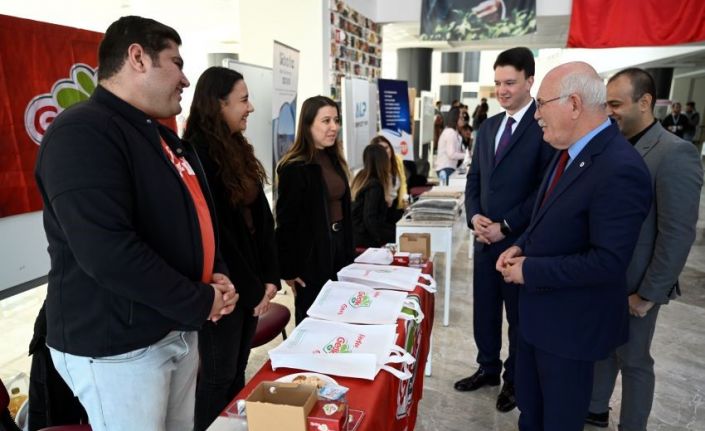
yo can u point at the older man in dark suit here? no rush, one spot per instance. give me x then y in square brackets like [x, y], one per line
[661, 252]
[571, 261]
[508, 163]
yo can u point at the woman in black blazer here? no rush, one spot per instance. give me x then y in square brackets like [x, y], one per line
[314, 228]
[371, 199]
[245, 228]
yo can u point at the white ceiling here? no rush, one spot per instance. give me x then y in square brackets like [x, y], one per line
[214, 25]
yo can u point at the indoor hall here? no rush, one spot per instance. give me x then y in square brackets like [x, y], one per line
[222, 31]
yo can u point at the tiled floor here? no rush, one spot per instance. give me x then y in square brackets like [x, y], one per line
[678, 348]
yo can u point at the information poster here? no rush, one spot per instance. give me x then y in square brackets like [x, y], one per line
[357, 119]
[285, 74]
[395, 113]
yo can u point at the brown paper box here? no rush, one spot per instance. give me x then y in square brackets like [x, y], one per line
[284, 409]
[416, 243]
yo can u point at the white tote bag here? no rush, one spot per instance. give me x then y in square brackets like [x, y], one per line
[343, 301]
[376, 256]
[342, 349]
[386, 277]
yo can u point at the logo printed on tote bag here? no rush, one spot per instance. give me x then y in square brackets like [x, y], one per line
[337, 345]
[340, 345]
[360, 299]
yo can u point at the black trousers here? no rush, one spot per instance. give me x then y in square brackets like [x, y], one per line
[306, 295]
[224, 348]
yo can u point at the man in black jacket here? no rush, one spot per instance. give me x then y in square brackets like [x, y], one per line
[134, 268]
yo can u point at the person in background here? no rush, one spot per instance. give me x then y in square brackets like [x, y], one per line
[693, 116]
[398, 190]
[675, 123]
[570, 264]
[464, 113]
[218, 118]
[371, 199]
[662, 249]
[437, 124]
[314, 227]
[483, 101]
[135, 270]
[509, 160]
[466, 134]
[480, 114]
[449, 146]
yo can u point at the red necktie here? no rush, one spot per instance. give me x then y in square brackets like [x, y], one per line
[560, 167]
[504, 140]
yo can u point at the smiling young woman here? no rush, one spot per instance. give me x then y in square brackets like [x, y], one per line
[245, 228]
[314, 227]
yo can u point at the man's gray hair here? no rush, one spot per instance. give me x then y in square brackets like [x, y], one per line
[590, 87]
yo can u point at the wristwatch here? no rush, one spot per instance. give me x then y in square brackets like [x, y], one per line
[504, 228]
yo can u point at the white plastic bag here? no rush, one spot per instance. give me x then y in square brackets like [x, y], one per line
[386, 277]
[342, 349]
[343, 301]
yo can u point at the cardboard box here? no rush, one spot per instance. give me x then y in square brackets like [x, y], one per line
[328, 416]
[280, 406]
[416, 243]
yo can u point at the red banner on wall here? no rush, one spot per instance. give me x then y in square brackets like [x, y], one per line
[44, 68]
[611, 24]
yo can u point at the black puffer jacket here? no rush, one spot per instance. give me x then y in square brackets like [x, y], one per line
[369, 214]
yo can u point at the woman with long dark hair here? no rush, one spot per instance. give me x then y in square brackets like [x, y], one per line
[245, 228]
[398, 191]
[314, 227]
[370, 191]
[449, 146]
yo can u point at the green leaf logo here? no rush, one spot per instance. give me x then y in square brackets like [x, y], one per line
[360, 299]
[337, 345]
[42, 109]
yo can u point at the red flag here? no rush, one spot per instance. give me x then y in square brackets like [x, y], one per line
[610, 24]
[44, 68]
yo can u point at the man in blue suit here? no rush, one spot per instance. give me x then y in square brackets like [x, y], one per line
[570, 264]
[509, 159]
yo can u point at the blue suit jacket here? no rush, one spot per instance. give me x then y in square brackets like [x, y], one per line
[578, 245]
[507, 191]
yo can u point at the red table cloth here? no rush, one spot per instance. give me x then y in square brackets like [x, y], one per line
[389, 404]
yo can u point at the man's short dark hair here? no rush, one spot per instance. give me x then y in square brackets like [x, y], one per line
[642, 83]
[153, 36]
[521, 58]
[691, 104]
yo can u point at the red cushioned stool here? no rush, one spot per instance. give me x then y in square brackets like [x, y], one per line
[271, 324]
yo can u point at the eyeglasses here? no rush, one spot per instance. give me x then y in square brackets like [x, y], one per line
[541, 103]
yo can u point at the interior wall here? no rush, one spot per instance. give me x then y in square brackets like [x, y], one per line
[300, 24]
[680, 91]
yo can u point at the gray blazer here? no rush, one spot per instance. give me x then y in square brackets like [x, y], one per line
[669, 229]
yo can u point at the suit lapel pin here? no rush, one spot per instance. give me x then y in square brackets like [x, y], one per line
[582, 164]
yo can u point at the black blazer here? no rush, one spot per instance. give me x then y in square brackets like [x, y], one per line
[303, 227]
[124, 238]
[369, 217]
[251, 259]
